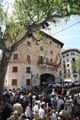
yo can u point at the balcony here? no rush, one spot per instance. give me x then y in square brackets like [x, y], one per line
[42, 62]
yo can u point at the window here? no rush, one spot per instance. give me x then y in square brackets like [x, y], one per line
[41, 48]
[63, 56]
[15, 56]
[50, 42]
[64, 71]
[74, 70]
[60, 72]
[67, 60]
[14, 82]
[40, 59]
[15, 69]
[28, 69]
[28, 82]
[64, 66]
[72, 53]
[74, 76]
[68, 72]
[63, 61]
[67, 65]
[47, 60]
[51, 52]
[29, 57]
[28, 43]
[67, 54]
[73, 59]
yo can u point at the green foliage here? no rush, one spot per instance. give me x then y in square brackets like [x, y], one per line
[30, 11]
[2, 14]
[30, 14]
[78, 64]
[13, 29]
[35, 11]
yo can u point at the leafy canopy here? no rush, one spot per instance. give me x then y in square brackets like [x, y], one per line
[78, 64]
[32, 15]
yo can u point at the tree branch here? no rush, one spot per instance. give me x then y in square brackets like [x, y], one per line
[17, 43]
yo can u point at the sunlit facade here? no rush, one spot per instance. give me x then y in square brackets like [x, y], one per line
[68, 68]
[34, 63]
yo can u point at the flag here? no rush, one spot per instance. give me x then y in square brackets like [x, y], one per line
[56, 60]
[29, 61]
[51, 60]
[55, 68]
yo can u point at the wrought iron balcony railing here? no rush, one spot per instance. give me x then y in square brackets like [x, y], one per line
[42, 62]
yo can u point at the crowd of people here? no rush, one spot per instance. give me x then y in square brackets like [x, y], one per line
[18, 104]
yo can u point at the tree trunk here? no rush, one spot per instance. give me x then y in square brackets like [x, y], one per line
[3, 69]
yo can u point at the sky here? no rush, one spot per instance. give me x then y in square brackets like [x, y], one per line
[68, 33]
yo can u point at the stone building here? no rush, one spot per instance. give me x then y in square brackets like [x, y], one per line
[34, 62]
[68, 60]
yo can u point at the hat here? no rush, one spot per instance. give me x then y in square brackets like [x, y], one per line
[43, 103]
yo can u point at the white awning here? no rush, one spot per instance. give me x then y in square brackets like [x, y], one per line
[68, 80]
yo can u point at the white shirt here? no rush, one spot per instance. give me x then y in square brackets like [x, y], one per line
[28, 111]
[35, 109]
[53, 116]
[41, 113]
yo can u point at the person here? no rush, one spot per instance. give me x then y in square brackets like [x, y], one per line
[18, 107]
[0, 115]
[64, 113]
[60, 101]
[53, 115]
[2, 104]
[14, 116]
[6, 111]
[36, 109]
[53, 100]
[42, 111]
[28, 111]
[23, 117]
[60, 118]
[77, 118]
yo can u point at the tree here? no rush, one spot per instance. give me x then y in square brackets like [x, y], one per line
[78, 66]
[28, 17]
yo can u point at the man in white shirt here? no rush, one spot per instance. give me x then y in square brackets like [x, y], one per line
[53, 115]
[36, 110]
[42, 110]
